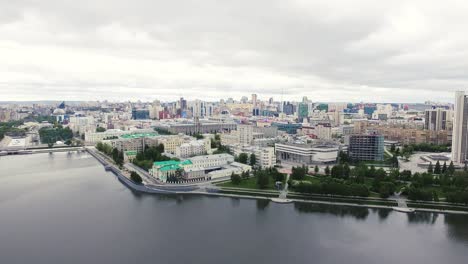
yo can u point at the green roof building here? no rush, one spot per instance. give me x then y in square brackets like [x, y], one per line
[139, 135]
[163, 169]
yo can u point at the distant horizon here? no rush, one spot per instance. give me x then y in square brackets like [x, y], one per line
[211, 101]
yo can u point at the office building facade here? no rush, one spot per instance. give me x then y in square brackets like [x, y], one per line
[460, 135]
[366, 147]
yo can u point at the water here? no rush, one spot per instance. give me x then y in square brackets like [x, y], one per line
[64, 208]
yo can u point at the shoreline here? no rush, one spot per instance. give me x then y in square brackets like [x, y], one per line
[211, 190]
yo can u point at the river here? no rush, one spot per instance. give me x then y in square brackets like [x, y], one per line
[64, 208]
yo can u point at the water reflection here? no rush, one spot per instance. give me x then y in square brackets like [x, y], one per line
[422, 218]
[235, 202]
[457, 227]
[359, 213]
[383, 213]
[262, 204]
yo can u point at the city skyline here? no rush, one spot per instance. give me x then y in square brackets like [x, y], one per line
[333, 52]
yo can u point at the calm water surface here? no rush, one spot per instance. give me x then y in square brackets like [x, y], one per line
[64, 208]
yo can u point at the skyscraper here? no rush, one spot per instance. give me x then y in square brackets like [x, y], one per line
[302, 112]
[460, 135]
[437, 119]
[368, 147]
[254, 99]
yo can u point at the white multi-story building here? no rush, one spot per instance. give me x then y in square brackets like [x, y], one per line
[254, 99]
[94, 137]
[155, 109]
[209, 161]
[193, 148]
[437, 119]
[172, 142]
[460, 128]
[266, 157]
[306, 153]
[135, 142]
[82, 124]
[200, 168]
[230, 138]
[235, 167]
[245, 133]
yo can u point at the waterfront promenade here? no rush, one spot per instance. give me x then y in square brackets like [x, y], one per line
[208, 188]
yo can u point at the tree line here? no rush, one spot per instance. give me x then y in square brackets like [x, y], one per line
[262, 176]
[245, 158]
[146, 158]
[51, 135]
[116, 155]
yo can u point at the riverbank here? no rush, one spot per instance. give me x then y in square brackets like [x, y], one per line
[207, 188]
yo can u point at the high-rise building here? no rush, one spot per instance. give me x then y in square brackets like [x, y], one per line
[198, 108]
[437, 119]
[245, 134]
[460, 130]
[368, 147]
[140, 114]
[302, 112]
[183, 104]
[254, 99]
[288, 108]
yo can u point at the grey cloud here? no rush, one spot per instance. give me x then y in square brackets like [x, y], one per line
[333, 51]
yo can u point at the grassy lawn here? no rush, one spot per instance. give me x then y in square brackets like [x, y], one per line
[312, 179]
[250, 183]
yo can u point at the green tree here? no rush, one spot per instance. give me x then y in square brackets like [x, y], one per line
[298, 173]
[263, 179]
[343, 157]
[100, 129]
[245, 174]
[316, 169]
[243, 158]
[386, 189]
[444, 167]
[198, 136]
[346, 171]
[235, 179]
[394, 161]
[327, 170]
[115, 154]
[405, 175]
[372, 171]
[120, 158]
[437, 168]
[179, 173]
[253, 159]
[451, 169]
[135, 177]
[430, 168]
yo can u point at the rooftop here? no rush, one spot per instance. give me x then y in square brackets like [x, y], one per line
[171, 164]
[139, 135]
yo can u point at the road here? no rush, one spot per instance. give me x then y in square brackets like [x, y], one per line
[144, 174]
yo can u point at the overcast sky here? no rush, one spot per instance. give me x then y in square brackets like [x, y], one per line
[382, 51]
